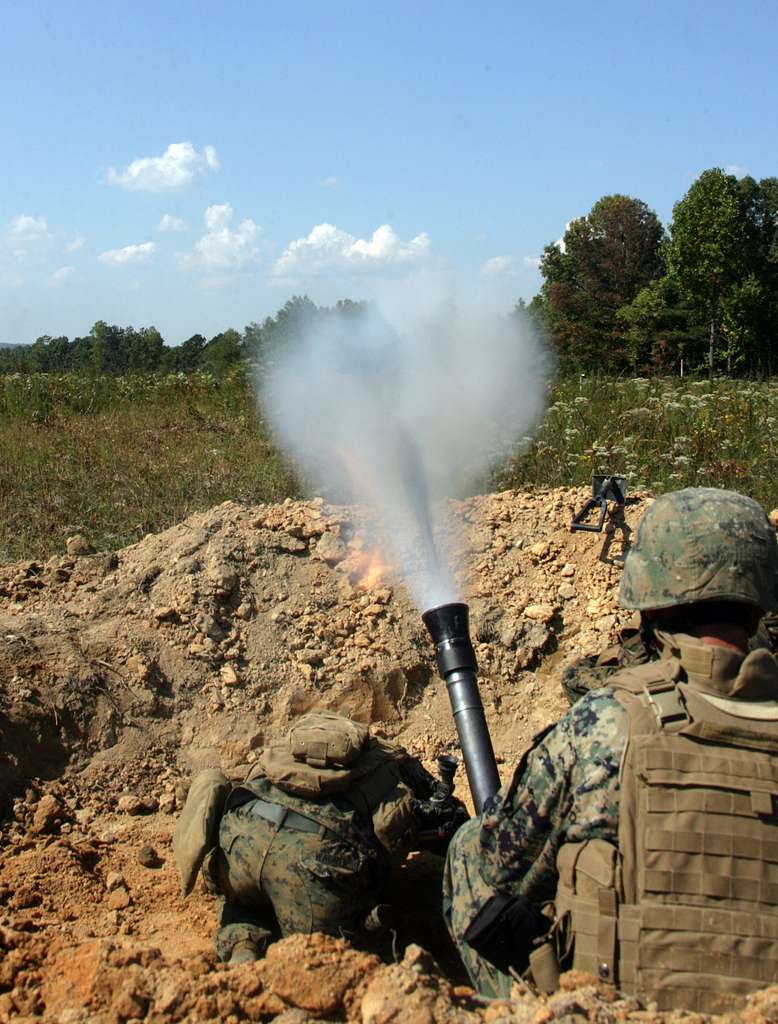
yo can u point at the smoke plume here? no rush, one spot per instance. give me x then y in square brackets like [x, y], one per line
[401, 410]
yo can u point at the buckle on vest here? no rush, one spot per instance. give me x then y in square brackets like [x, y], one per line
[665, 700]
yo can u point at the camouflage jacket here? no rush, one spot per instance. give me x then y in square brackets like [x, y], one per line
[565, 789]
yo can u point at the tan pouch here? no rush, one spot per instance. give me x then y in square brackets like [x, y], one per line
[323, 739]
[196, 830]
[545, 968]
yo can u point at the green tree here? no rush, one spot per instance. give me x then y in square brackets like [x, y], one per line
[263, 341]
[710, 244]
[185, 358]
[146, 350]
[663, 331]
[222, 352]
[49, 355]
[602, 262]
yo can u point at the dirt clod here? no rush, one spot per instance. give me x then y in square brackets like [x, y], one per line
[148, 857]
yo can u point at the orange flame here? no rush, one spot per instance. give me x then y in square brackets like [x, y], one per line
[367, 569]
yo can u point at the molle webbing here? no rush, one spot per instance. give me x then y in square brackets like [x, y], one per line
[694, 957]
[693, 896]
[699, 798]
[727, 847]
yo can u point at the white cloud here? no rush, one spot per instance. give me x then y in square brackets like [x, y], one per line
[498, 266]
[221, 247]
[29, 229]
[533, 261]
[330, 183]
[171, 223]
[218, 216]
[59, 277]
[329, 248]
[737, 169]
[129, 254]
[77, 243]
[177, 167]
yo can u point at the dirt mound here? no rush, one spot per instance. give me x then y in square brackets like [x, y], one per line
[122, 673]
[195, 645]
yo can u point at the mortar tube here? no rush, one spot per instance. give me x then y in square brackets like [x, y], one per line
[448, 627]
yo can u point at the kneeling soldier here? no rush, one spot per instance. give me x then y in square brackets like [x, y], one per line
[644, 824]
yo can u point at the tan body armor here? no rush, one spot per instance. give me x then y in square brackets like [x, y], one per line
[685, 912]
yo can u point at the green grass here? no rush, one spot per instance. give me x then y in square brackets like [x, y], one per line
[119, 459]
[116, 458]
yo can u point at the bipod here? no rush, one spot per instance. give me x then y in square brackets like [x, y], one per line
[604, 489]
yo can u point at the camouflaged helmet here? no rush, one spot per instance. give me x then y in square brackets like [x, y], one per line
[701, 544]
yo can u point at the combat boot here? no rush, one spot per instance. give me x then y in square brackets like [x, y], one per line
[245, 952]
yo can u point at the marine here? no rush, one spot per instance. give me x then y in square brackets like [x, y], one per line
[636, 645]
[638, 837]
[306, 841]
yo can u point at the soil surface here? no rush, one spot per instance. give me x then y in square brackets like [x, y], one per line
[123, 673]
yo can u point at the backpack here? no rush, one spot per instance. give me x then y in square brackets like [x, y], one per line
[196, 829]
[327, 757]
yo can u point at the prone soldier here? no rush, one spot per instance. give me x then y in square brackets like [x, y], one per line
[305, 843]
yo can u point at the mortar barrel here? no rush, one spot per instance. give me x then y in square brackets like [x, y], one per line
[448, 626]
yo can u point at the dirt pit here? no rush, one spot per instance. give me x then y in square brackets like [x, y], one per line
[122, 673]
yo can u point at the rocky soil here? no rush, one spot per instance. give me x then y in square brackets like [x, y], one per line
[122, 673]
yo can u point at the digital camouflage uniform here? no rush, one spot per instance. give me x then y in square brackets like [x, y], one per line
[322, 881]
[701, 542]
[564, 790]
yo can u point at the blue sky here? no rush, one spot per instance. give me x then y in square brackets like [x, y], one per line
[341, 148]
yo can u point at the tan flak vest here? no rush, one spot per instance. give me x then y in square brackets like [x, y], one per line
[685, 912]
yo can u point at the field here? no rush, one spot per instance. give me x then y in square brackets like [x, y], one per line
[662, 434]
[116, 458]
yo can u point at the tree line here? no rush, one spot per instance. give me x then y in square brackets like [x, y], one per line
[112, 350]
[620, 293]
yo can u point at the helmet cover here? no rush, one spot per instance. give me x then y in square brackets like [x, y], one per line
[701, 544]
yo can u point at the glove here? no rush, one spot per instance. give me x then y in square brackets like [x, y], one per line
[504, 932]
[438, 820]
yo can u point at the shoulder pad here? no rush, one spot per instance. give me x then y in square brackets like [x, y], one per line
[635, 678]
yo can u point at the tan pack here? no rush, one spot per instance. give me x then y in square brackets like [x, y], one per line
[196, 829]
[323, 739]
[686, 911]
[372, 782]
